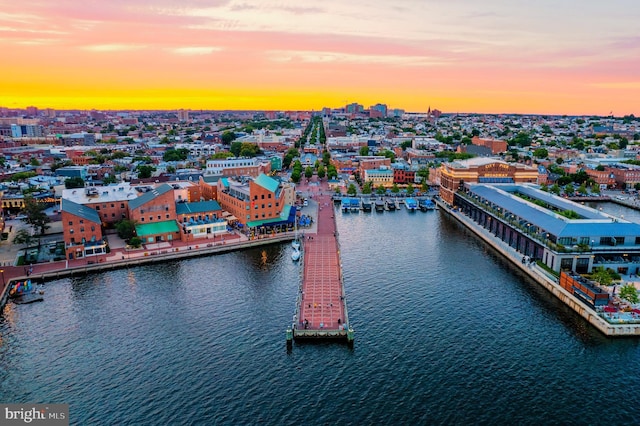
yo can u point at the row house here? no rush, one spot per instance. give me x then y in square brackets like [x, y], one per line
[379, 177]
[372, 163]
[404, 175]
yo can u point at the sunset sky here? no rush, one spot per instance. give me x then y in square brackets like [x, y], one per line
[544, 56]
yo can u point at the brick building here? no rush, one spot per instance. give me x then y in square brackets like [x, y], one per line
[82, 231]
[482, 170]
[154, 213]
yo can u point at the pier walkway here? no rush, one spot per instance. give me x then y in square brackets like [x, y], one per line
[321, 311]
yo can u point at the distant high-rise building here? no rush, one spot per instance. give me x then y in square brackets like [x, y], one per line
[32, 111]
[183, 115]
[381, 108]
[354, 108]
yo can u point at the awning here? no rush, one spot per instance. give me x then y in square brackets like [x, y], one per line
[168, 226]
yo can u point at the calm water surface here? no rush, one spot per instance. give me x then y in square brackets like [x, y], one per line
[446, 333]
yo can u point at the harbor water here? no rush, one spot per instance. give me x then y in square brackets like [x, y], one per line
[447, 332]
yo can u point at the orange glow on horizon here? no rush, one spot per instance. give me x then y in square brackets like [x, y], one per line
[121, 55]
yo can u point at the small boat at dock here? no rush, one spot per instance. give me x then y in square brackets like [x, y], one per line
[411, 204]
[427, 204]
[391, 204]
[379, 205]
[366, 205]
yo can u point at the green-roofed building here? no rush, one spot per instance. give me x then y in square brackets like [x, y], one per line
[157, 232]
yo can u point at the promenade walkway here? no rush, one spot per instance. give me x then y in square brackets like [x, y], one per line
[322, 310]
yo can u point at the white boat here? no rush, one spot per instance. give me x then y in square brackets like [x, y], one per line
[296, 241]
[295, 255]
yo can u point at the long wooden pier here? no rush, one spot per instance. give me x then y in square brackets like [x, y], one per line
[321, 307]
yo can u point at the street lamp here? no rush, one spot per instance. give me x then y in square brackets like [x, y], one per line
[3, 282]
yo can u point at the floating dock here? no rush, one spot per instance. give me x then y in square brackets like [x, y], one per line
[321, 308]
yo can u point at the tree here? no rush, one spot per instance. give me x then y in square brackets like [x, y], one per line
[228, 137]
[352, 190]
[23, 237]
[35, 215]
[74, 182]
[332, 172]
[629, 292]
[235, 148]
[126, 229]
[541, 153]
[380, 190]
[109, 180]
[34, 162]
[145, 171]
[569, 190]
[406, 144]
[321, 171]
[364, 150]
[295, 176]
[326, 158]
[367, 188]
[308, 172]
[555, 189]
[410, 189]
[395, 188]
[389, 154]
[221, 155]
[135, 242]
[175, 154]
[601, 276]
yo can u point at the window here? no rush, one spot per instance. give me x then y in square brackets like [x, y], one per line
[70, 223]
[142, 219]
[81, 221]
[263, 196]
[606, 241]
[97, 208]
[113, 215]
[269, 195]
[93, 228]
[82, 229]
[73, 240]
[122, 205]
[619, 241]
[113, 205]
[71, 231]
[150, 218]
[167, 216]
[263, 206]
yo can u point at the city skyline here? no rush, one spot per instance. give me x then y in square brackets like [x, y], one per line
[498, 57]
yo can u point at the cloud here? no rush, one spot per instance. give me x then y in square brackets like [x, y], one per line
[113, 47]
[195, 50]
[352, 58]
